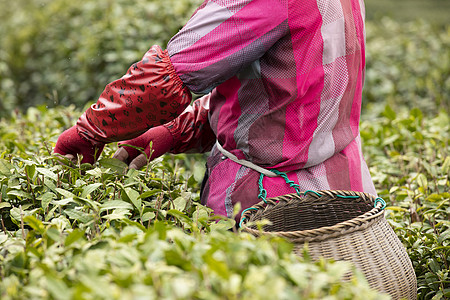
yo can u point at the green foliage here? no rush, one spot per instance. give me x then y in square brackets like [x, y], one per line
[409, 162]
[407, 66]
[56, 220]
[103, 231]
[434, 11]
[61, 51]
[106, 232]
[164, 263]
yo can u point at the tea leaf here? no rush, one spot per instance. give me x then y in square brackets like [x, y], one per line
[113, 204]
[148, 216]
[65, 193]
[63, 202]
[133, 196]
[54, 234]
[19, 193]
[74, 236]
[89, 189]
[30, 170]
[389, 113]
[114, 164]
[78, 215]
[47, 173]
[226, 224]
[179, 203]
[46, 199]
[150, 193]
[15, 214]
[5, 167]
[34, 223]
[117, 214]
[97, 172]
[422, 181]
[446, 166]
[4, 205]
[3, 238]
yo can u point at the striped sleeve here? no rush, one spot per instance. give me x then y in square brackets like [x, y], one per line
[223, 37]
[191, 131]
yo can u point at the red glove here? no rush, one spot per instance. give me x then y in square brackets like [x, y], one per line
[70, 143]
[162, 142]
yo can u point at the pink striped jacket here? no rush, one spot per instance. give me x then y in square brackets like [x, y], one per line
[284, 80]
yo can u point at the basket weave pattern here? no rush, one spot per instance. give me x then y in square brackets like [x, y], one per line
[342, 225]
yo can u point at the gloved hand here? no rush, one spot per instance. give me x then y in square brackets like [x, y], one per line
[70, 143]
[162, 142]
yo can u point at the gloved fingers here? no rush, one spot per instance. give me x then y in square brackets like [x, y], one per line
[139, 162]
[121, 154]
[71, 143]
[71, 157]
[132, 152]
[67, 160]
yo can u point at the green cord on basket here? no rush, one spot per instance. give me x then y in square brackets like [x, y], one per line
[383, 203]
[262, 192]
[291, 183]
[242, 213]
[347, 197]
[311, 191]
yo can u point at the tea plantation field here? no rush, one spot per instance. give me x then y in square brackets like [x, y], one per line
[105, 232]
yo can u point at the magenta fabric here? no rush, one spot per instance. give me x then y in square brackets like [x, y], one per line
[285, 80]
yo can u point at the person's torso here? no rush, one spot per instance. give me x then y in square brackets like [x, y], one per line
[299, 104]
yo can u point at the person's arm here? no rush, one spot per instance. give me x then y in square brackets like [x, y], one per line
[219, 40]
[150, 94]
[190, 132]
[224, 37]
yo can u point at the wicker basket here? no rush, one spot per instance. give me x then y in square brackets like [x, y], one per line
[341, 225]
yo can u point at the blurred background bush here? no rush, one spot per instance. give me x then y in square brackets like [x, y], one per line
[60, 52]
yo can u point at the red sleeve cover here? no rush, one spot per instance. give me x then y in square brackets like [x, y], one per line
[191, 130]
[150, 94]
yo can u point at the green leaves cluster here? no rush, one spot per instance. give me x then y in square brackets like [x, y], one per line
[407, 66]
[106, 232]
[91, 198]
[164, 262]
[63, 52]
[409, 160]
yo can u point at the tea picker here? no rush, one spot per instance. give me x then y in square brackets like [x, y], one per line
[282, 84]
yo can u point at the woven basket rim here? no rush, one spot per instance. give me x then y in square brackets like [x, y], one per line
[318, 234]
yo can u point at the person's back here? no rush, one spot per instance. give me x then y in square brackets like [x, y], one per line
[283, 80]
[296, 107]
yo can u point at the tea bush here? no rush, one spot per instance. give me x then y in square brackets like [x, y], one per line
[65, 52]
[105, 232]
[409, 162]
[102, 231]
[408, 65]
[56, 220]
[62, 52]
